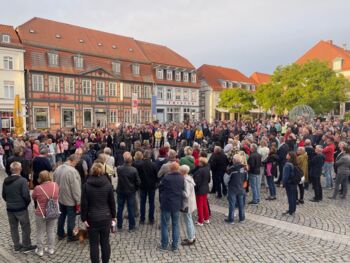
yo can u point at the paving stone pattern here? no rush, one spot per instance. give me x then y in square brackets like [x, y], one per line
[218, 242]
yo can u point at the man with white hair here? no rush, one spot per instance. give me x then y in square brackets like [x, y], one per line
[15, 192]
[172, 157]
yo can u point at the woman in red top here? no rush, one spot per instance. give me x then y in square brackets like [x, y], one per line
[41, 194]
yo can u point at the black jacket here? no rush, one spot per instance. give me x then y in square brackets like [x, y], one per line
[25, 165]
[238, 174]
[254, 163]
[202, 179]
[316, 165]
[218, 163]
[273, 159]
[170, 192]
[282, 153]
[97, 200]
[148, 174]
[15, 192]
[118, 156]
[128, 179]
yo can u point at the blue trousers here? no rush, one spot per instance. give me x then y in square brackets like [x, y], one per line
[130, 200]
[165, 217]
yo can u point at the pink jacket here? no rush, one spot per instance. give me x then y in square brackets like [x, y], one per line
[39, 195]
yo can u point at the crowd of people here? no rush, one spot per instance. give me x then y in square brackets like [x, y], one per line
[96, 173]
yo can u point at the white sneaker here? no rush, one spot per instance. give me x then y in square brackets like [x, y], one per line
[199, 224]
[39, 252]
[207, 222]
[51, 251]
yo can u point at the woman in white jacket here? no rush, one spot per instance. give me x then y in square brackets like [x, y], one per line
[189, 206]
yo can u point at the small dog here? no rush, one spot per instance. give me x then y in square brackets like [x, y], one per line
[81, 233]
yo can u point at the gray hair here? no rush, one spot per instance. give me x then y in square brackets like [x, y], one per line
[254, 147]
[172, 155]
[217, 149]
[107, 150]
[15, 167]
[184, 169]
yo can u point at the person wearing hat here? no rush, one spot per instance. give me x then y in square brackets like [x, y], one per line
[40, 163]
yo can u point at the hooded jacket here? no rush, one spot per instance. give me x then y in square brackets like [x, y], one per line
[237, 175]
[97, 200]
[15, 192]
[189, 196]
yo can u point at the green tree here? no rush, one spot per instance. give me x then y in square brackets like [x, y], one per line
[312, 83]
[236, 100]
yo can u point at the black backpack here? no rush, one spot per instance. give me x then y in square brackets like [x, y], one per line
[297, 175]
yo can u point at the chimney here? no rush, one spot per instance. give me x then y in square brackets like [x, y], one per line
[330, 41]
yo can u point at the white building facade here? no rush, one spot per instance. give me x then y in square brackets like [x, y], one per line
[11, 76]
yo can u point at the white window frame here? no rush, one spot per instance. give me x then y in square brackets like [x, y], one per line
[169, 91]
[185, 96]
[177, 76]
[78, 62]
[8, 62]
[113, 116]
[127, 116]
[147, 115]
[37, 82]
[178, 94]
[9, 89]
[112, 89]
[6, 38]
[116, 66]
[230, 84]
[69, 85]
[138, 90]
[193, 77]
[85, 88]
[147, 91]
[135, 69]
[127, 90]
[194, 95]
[100, 88]
[54, 84]
[160, 73]
[62, 117]
[185, 76]
[169, 74]
[48, 117]
[92, 116]
[53, 59]
[160, 93]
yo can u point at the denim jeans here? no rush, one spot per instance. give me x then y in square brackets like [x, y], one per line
[291, 190]
[130, 200]
[190, 230]
[22, 218]
[232, 199]
[144, 194]
[45, 226]
[69, 212]
[255, 184]
[328, 167]
[271, 184]
[164, 220]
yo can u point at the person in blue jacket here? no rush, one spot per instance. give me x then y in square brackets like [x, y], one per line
[287, 180]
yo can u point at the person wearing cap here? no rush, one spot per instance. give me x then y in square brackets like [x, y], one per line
[40, 163]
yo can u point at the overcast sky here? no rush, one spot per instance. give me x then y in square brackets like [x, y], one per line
[249, 35]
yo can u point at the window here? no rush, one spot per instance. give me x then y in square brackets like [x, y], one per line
[347, 106]
[137, 117]
[68, 116]
[86, 85]
[160, 94]
[53, 59]
[112, 90]
[224, 84]
[68, 85]
[178, 94]
[169, 75]
[160, 74]
[8, 62]
[37, 83]
[127, 116]
[137, 90]
[6, 39]
[193, 95]
[193, 77]
[169, 94]
[127, 90]
[116, 67]
[253, 87]
[148, 92]
[100, 88]
[136, 69]
[41, 118]
[230, 85]
[54, 84]
[78, 61]
[113, 116]
[185, 96]
[87, 117]
[147, 115]
[185, 76]
[9, 89]
[177, 75]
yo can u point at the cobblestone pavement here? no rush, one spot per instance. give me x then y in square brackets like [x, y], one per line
[253, 241]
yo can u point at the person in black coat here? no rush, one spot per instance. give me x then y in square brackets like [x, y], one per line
[18, 157]
[282, 156]
[316, 165]
[98, 212]
[218, 163]
[118, 155]
[40, 163]
[148, 175]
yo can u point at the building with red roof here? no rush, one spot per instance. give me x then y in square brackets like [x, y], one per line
[260, 78]
[213, 80]
[11, 76]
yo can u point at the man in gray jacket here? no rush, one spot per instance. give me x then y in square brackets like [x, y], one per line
[342, 168]
[15, 192]
[68, 179]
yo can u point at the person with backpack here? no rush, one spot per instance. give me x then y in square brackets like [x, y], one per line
[47, 211]
[290, 182]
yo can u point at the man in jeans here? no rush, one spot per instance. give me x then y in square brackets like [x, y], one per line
[328, 152]
[128, 183]
[15, 192]
[68, 179]
[170, 191]
[254, 164]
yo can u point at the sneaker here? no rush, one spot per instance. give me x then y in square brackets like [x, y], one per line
[28, 249]
[229, 222]
[50, 251]
[199, 224]
[164, 249]
[207, 222]
[18, 248]
[39, 252]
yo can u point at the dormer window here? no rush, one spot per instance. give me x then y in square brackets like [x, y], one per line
[78, 62]
[116, 66]
[169, 74]
[160, 73]
[53, 59]
[136, 69]
[230, 84]
[185, 76]
[224, 84]
[5, 39]
[338, 64]
[193, 78]
[178, 76]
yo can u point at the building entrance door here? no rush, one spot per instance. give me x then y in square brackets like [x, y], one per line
[101, 120]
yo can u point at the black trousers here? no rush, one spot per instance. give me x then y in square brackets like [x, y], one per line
[99, 236]
[280, 167]
[316, 185]
[218, 184]
[301, 192]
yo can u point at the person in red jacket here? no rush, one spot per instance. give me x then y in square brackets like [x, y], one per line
[328, 152]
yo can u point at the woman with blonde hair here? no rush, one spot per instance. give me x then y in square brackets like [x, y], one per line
[41, 195]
